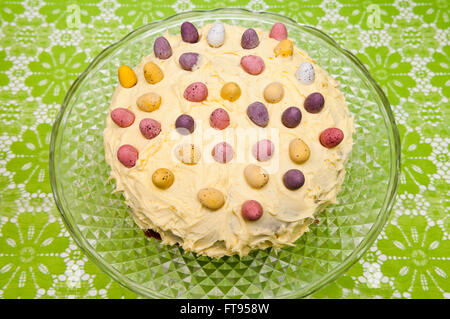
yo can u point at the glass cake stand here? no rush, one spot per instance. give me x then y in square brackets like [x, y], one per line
[101, 225]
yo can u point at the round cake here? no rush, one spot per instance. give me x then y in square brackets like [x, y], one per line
[225, 139]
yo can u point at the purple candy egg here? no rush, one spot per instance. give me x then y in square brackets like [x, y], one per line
[162, 48]
[188, 60]
[250, 39]
[293, 179]
[189, 32]
[258, 114]
[314, 102]
[185, 124]
[291, 117]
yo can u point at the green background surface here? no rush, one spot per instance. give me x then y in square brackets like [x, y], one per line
[43, 49]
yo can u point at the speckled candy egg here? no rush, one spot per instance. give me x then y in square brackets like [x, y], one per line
[305, 73]
[122, 117]
[150, 128]
[251, 210]
[127, 155]
[196, 92]
[331, 137]
[219, 119]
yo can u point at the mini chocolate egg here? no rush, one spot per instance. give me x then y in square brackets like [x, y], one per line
[211, 198]
[278, 31]
[251, 210]
[219, 119]
[291, 117]
[216, 35]
[189, 61]
[252, 64]
[162, 48]
[163, 178]
[273, 92]
[189, 32]
[196, 92]
[314, 102]
[150, 128]
[293, 179]
[222, 152]
[127, 155]
[122, 117]
[258, 114]
[305, 73]
[185, 124]
[250, 39]
[331, 137]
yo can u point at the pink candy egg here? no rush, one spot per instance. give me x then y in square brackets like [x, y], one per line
[251, 210]
[331, 137]
[196, 92]
[263, 150]
[252, 64]
[150, 128]
[278, 31]
[219, 119]
[122, 117]
[222, 152]
[127, 155]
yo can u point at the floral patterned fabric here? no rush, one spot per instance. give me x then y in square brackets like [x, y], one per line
[44, 45]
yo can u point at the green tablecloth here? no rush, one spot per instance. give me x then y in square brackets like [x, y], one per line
[43, 47]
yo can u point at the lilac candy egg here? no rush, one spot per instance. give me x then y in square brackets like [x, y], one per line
[127, 155]
[162, 48]
[314, 102]
[185, 124]
[189, 32]
[189, 60]
[258, 114]
[122, 117]
[263, 150]
[150, 128]
[293, 179]
[251, 210]
[250, 39]
[291, 117]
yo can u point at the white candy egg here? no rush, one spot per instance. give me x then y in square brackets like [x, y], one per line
[216, 35]
[305, 73]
